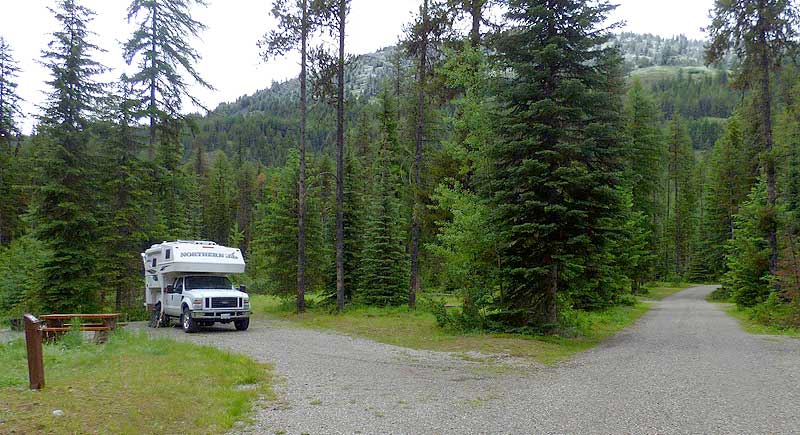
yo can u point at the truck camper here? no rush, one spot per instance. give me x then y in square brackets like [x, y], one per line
[188, 281]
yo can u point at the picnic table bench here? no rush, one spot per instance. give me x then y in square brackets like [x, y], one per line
[55, 324]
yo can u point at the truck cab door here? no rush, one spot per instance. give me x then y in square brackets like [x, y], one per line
[174, 299]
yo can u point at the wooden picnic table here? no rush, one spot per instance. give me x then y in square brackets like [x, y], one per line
[55, 325]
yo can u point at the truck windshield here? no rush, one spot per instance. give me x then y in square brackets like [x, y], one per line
[207, 282]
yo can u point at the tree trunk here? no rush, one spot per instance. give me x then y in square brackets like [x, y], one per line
[301, 188]
[678, 226]
[551, 309]
[340, 160]
[666, 223]
[476, 11]
[769, 164]
[418, 134]
[152, 106]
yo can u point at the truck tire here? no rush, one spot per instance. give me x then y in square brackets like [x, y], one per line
[189, 325]
[242, 325]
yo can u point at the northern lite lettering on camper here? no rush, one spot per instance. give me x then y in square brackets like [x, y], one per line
[188, 281]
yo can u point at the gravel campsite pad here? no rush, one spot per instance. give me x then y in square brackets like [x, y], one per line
[685, 367]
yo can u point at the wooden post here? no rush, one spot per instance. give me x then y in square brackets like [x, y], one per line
[33, 339]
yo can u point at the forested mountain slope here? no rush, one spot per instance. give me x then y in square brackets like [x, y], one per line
[261, 126]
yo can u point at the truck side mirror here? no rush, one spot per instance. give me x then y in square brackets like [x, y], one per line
[170, 288]
[243, 288]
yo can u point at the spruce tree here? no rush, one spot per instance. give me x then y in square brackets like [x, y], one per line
[383, 265]
[731, 174]
[65, 211]
[329, 75]
[748, 252]
[424, 37]
[9, 100]
[296, 22]
[681, 163]
[125, 198]
[557, 161]
[646, 157]
[9, 110]
[161, 45]
[762, 33]
[220, 209]
[274, 247]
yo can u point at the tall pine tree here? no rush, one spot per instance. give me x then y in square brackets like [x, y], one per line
[557, 160]
[9, 110]
[161, 43]
[681, 190]
[647, 155]
[65, 211]
[296, 22]
[761, 33]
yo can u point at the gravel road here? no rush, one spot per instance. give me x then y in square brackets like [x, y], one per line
[685, 367]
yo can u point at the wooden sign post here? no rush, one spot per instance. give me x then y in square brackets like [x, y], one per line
[33, 340]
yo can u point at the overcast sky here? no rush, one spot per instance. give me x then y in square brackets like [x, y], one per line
[230, 56]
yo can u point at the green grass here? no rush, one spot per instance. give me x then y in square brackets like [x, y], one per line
[752, 326]
[131, 385]
[660, 290]
[417, 329]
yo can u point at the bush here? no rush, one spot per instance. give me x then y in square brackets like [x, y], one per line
[722, 294]
[775, 312]
[467, 319]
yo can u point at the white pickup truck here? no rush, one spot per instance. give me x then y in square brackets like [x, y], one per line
[188, 281]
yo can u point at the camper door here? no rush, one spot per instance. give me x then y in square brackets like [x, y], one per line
[174, 298]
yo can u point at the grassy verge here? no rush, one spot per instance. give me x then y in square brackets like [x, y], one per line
[660, 290]
[753, 326]
[131, 385]
[417, 329]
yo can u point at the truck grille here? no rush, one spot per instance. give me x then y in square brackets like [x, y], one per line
[224, 302]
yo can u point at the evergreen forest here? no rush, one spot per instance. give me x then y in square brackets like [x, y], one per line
[534, 163]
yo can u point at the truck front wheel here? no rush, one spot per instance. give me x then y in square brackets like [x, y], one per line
[242, 325]
[189, 325]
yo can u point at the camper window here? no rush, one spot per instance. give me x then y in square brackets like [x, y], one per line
[167, 254]
[208, 282]
[154, 262]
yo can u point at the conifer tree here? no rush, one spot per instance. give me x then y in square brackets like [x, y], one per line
[761, 33]
[748, 252]
[731, 175]
[220, 208]
[9, 110]
[681, 163]
[9, 100]
[245, 200]
[383, 263]
[274, 247]
[334, 16]
[557, 161]
[125, 199]
[296, 22]
[424, 36]
[173, 184]
[477, 14]
[161, 44]
[645, 175]
[65, 211]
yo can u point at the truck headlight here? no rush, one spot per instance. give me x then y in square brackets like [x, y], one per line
[247, 301]
[198, 302]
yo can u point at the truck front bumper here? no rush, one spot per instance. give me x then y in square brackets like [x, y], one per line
[221, 315]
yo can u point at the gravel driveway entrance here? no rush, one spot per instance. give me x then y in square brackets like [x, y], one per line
[685, 367]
